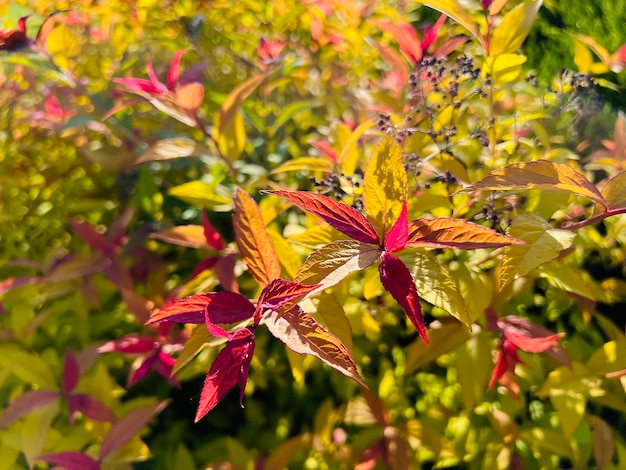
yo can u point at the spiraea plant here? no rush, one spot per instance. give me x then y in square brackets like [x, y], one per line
[373, 221]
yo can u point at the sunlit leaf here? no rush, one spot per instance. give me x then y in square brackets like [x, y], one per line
[201, 194]
[190, 96]
[236, 97]
[543, 244]
[385, 186]
[231, 138]
[252, 239]
[509, 35]
[614, 191]
[570, 407]
[337, 214]
[453, 9]
[331, 314]
[539, 174]
[191, 236]
[199, 340]
[306, 164]
[287, 256]
[333, 262]
[444, 232]
[303, 335]
[279, 293]
[169, 149]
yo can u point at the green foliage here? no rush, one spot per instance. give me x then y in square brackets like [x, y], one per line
[458, 265]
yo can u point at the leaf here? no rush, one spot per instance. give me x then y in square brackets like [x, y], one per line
[279, 293]
[397, 279]
[509, 35]
[539, 174]
[570, 407]
[62, 44]
[446, 336]
[614, 191]
[252, 239]
[303, 335]
[90, 236]
[223, 307]
[518, 326]
[71, 372]
[436, 285]
[236, 97]
[535, 344]
[190, 96]
[288, 257]
[91, 407]
[191, 236]
[71, 460]
[201, 194]
[306, 164]
[333, 317]
[454, 11]
[25, 403]
[28, 367]
[128, 426]
[212, 236]
[333, 262]
[14, 282]
[397, 236]
[543, 244]
[504, 68]
[229, 367]
[199, 340]
[444, 232]
[337, 214]
[384, 186]
[231, 140]
[602, 442]
[170, 149]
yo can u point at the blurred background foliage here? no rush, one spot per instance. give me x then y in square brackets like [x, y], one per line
[70, 154]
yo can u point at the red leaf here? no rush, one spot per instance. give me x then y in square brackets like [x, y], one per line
[405, 36]
[506, 359]
[223, 307]
[325, 147]
[398, 235]
[229, 367]
[71, 372]
[89, 406]
[15, 38]
[337, 214]
[158, 86]
[174, 72]
[213, 238]
[444, 232]
[71, 460]
[141, 368]
[26, 403]
[164, 365]
[90, 236]
[129, 425]
[130, 344]
[432, 33]
[279, 292]
[225, 271]
[536, 344]
[397, 279]
[203, 265]
[303, 335]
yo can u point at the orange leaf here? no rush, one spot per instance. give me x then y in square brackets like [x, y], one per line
[540, 174]
[190, 96]
[252, 239]
[444, 232]
[303, 335]
[191, 236]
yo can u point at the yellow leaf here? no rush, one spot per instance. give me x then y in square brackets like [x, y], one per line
[305, 163]
[236, 98]
[504, 68]
[332, 316]
[201, 194]
[539, 174]
[543, 244]
[199, 340]
[287, 256]
[513, 29]
[614, 191]
[231, 138]
[252, 239]
[349, 156]
[62, 45]
[454, 11]
[385, 186]
[435, 284]
[570, 407]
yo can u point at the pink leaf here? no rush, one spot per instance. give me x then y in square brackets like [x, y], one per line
[398, 235]
[130, 344]
[90, 407]
[137, 85]
[213, 238]
[279, 292]
[158, 86]
[164, 365]
[141, 368]
[174, 72]
[213, 328]
[229, 367]
[223, 307]
[397, 279]
[90, 236]
[337, 214]
[432, 33]
[71, 460]
[325, 147]
[534, 344]
[26, 403]
[71, 372]
[129, 425]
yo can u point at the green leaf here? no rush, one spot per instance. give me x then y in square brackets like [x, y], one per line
[513, 29]
[385, 186]
[473, 365]
[28, 367]
[435, 284]
[543, 244]
[199, 340]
